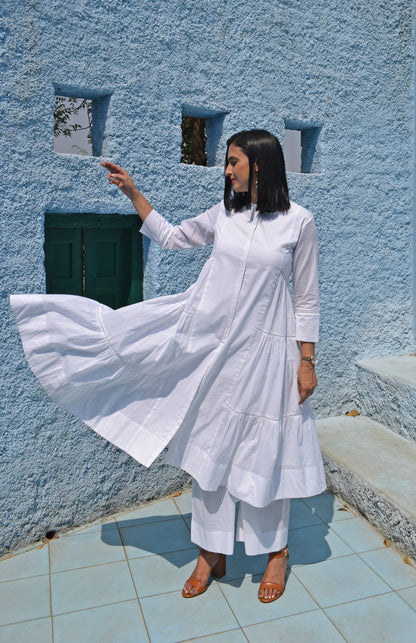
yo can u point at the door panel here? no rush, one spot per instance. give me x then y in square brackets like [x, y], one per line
[63, 260]
[108, 266]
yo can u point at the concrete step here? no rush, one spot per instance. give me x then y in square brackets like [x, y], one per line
[374, 471]
[386, 389]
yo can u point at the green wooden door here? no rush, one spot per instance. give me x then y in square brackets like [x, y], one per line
[108, 266]
[99, 256]
[63, 260]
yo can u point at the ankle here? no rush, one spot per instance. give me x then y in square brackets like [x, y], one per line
[282, 553]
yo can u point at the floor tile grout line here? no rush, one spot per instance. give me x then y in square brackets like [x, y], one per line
[17, 580]
[347, 510]
[173, 591]
[364, 551]
[315, 524]
[134, 584]
[182, 515]
[357, 600]
[109, 562]
[317, 562]
[149, 522]
[80, 531]
[162, 553]
[141, 522]
[76, 569]
[153, 504]
[392, 590]
[323, 609]
[403, 599]
[94, 607]
[199, 638]
[306, 590]
[181, 495]
[26, 620]
[319, 524]
[38, 544]
[335, 625]
[279, 618]
[232, 611]
[115, 517]
[266, 621]
[377, 574]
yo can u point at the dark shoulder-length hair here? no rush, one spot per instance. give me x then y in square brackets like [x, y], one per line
[263, 149]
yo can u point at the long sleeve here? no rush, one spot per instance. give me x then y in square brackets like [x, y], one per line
[305, 283]
[199, 231]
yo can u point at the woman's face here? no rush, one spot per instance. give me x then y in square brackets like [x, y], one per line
[237, 168]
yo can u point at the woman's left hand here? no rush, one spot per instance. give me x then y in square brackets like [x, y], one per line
[307, 380]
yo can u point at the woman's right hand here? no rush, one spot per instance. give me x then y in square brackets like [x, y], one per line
[120, 178]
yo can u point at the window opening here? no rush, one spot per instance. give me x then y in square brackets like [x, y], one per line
[79, 120]
[72, 125]
[292, 150]
[194, 138]
[299, 145]
[97, 256]
[201, 134]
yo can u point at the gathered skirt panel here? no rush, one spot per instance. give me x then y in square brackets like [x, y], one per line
[118, 371]
[245, 429]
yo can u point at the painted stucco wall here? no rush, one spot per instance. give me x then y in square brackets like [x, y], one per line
[344, 65]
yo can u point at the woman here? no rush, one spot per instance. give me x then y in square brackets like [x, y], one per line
[221, 372]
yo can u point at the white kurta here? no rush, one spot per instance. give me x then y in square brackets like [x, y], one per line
[212, 371]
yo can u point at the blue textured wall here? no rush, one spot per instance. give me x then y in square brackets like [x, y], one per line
[345, 65]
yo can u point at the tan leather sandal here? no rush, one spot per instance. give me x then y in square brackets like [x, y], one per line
[217, 571]
[283, 553]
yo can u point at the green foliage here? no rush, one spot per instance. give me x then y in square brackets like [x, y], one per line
[67, 111]
[194, 139]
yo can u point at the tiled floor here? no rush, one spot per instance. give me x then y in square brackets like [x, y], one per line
[120, 582]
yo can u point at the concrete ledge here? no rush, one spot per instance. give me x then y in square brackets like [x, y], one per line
[374, 471]
[386, 390]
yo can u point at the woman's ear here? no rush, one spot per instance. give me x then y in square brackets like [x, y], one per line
[256, 167]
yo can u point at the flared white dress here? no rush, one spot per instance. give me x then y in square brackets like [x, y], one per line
[211, 372]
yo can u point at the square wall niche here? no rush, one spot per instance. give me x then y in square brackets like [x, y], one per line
[79, 120]
[201, 133]
[300, 146]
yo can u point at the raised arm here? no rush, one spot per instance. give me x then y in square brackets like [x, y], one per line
[198, 231]
[122, 179]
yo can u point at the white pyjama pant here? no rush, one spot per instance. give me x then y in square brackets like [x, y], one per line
[262, 529]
